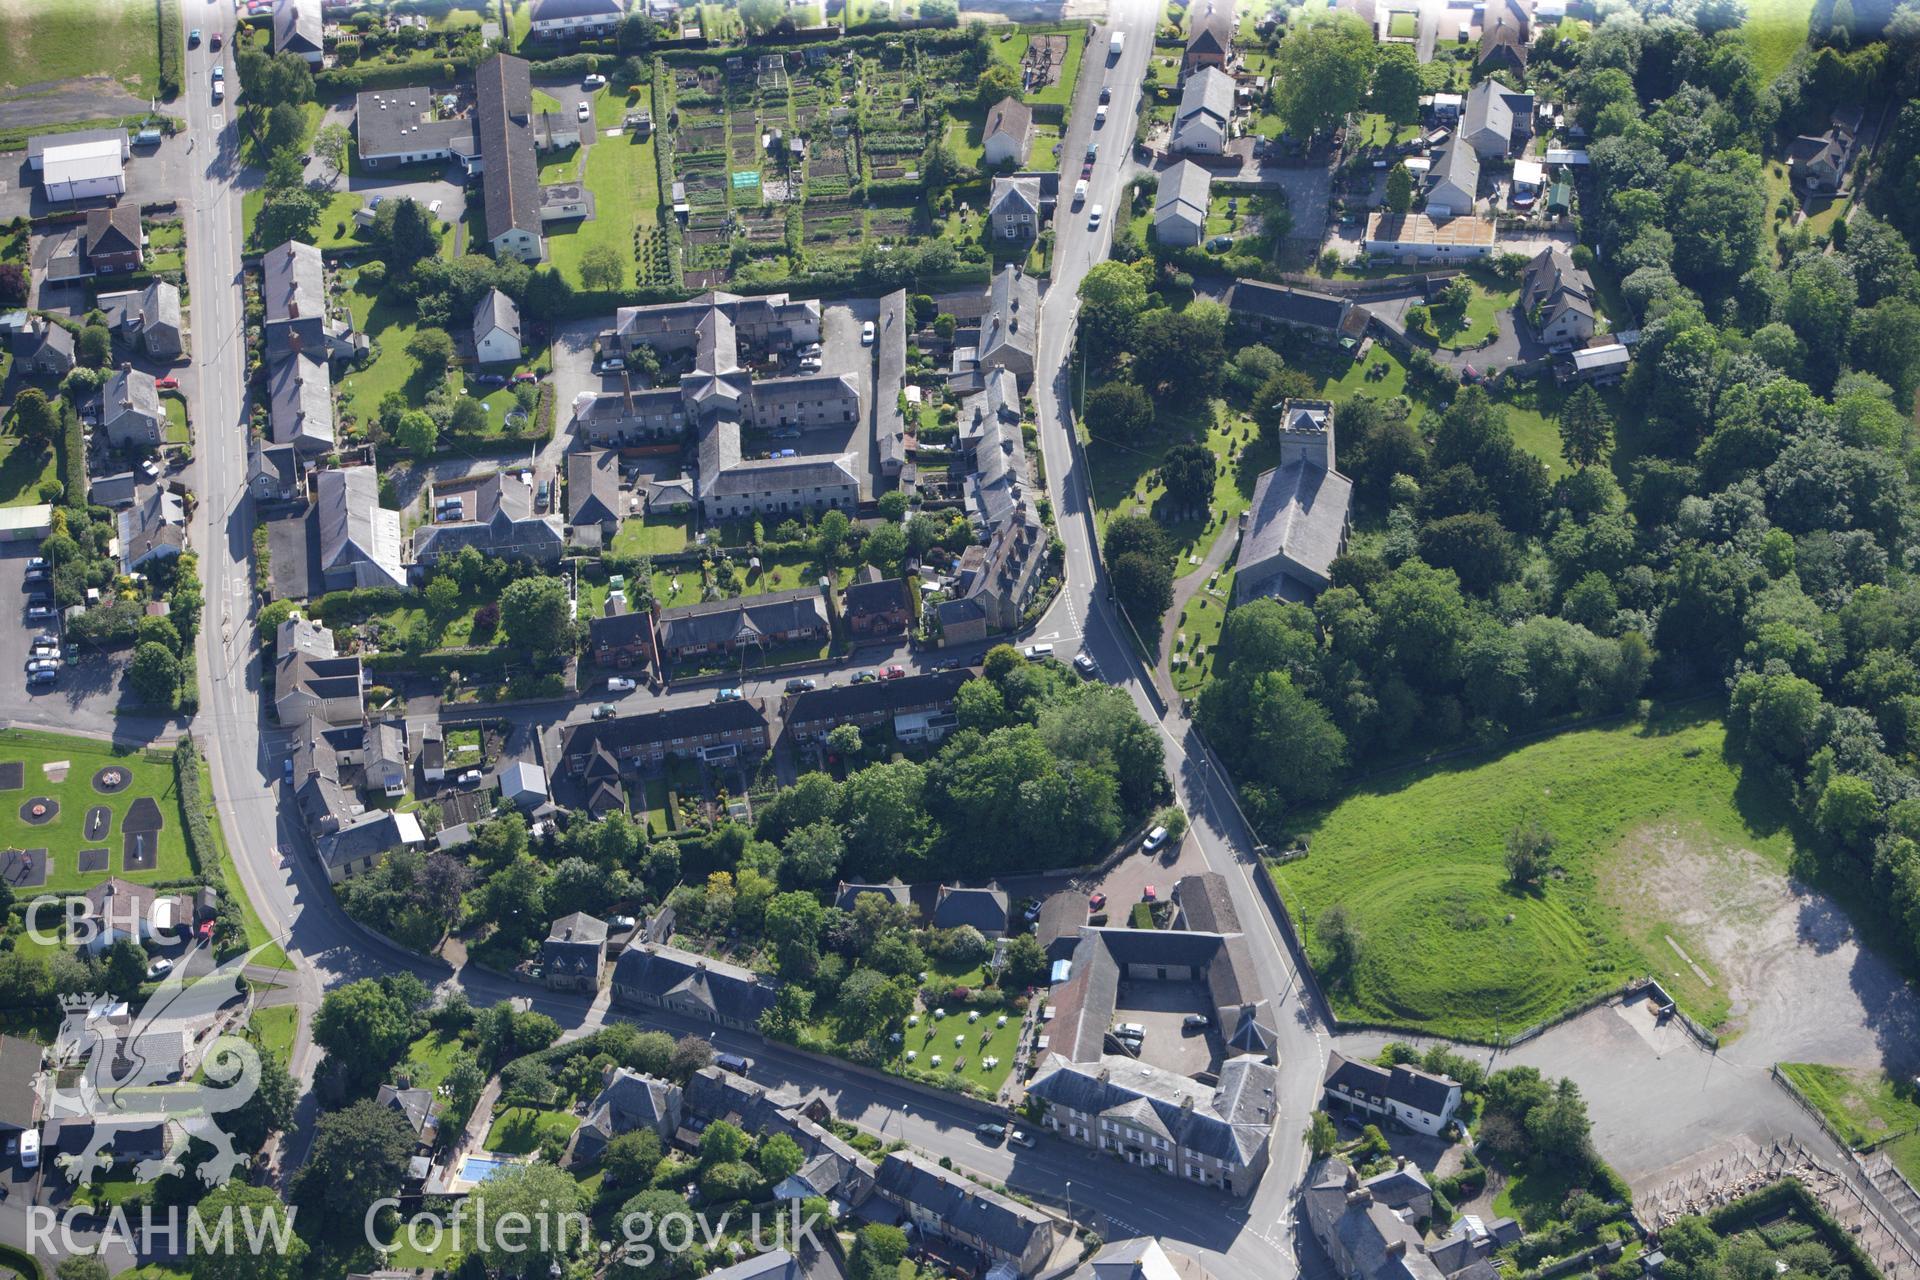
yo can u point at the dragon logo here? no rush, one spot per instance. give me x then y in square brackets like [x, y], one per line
[129, 1078]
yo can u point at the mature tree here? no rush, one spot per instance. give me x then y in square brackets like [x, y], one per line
[777, 1157]
[285, 126]
[1119, 411]
[813, 852]
[1112, 296]
[359, 1154]
[432, 350]
[1529, 854]
[1473, 545]
[407, 232]
[691, 1053]
[1340, 942]
[1187, 472]
[1026, 963]
[1819, 307]
[601, 268]
[997, 80]
[289, 213]
[82, 1266]
[154, 674]
[1560, 1129]
[1399, 189]
[537, 615]
[1886, 343]
[417, 432]
[844, 741]
[254, 1213]
[721, 1142]
[939, 169]
[365, 1026]
[1321, 73]
[331, 145]
[94, 348]
[124, 968]
[1322, 1136]
[1397, 83]
[1143, 584]
[1586, 429]
[886, 546]
[877, 1253]
[1181, 353]
[550, 1202]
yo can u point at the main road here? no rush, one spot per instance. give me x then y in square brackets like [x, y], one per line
[1239, 1238]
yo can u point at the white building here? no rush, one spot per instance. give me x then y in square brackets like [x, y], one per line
[1200, 127]
[496, 329]
[84, 170]
[1406, 1095]
[558, 19]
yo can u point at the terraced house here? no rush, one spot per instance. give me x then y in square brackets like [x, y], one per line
[605, 749]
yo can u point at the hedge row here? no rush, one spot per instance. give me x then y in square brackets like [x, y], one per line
[73, 458]
[202, 852]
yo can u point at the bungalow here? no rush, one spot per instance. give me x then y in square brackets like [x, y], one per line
[948, 1205]
[693, 986]
[1180, 204]
[1325, 316]
[1202, 124]
[575, 953]
[1007, 135]
[1418, 1100]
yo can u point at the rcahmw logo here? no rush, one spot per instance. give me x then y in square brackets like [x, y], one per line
[250, 1230]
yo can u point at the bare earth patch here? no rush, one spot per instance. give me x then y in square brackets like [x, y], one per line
[1789, 978]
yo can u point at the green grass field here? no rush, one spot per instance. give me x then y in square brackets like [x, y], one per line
[1060, 92]
[23, 468]
[62, 838]
[1774, 29]
[625, 181]
[517, 1131]
[1417, 859]
[63, 41]
[430, 1059]
[1864, 1107]
[274, 1029]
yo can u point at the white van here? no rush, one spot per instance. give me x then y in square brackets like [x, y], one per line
[1038, 652]
[30, 1149]
[1079, 193]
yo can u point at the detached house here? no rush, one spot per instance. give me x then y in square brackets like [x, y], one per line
[1495, 118]
[1180, 204]
[1416, 1099]
[984, 909]
[693, 986]
[1211, 41]
[1818, 161]
[1202, 124]
[114, 241]
[575, 953]
[1557, 298]
[297, 30]
[1020, 204]
[627, 1102]
[147, 319]
[43, 348]
[496, 329]
[130, 410]
[359, 538]
[154, 528]
[1008, 132]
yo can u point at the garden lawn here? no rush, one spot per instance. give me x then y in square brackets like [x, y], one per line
[392, 327]
[1060, 92]
[935, 1036]
[1477, 323]
[430, 1059]
[1200, 623]
[653, 535]
[517, 1131]
[1864, 1107]
[23, 468]
[177, 429]
[57, 43]
[1417, 859]
[1402, 25]
[625, 183]
[62, 837]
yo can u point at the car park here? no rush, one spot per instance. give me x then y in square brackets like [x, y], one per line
[605, 711]
[620, 684]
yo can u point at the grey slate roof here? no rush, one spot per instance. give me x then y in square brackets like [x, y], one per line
[1305, 307]
[1458, 165]
[559, 10]
[743, 619]
[777, 1264]
[130, 393]
[300, 403]
[839, 703]
[985, 909]
[369, 834]
[354, 528]
[1208, 93]
[1183, 192]
[296, 26]
[964, 1206]
[667, 973]
[503, 111]
[495, 311]
[1011, 117]
[756, 475]
[593, 487]
[575, 945]
[1406, 1085]
[19, 1071]
[1012, 321]
[117, 490]
[1213, 29]
[504, 523]
[1299, 513]
[293, 283]
[414, 1105]
[1231, 1122]
[155, 524]
[628, 1101]
[848, 894]
[662, 727]
[1205, 904]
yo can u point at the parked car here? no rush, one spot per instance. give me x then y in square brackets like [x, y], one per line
[1084, 664]
[42, 664]
[470, 778]
[37, 678]
[36, 562]
[490, 379]
[1196, 1022]
[1106, 93]
[1086, 170]
[605, 711]
[786, 433]
[893, 672]
[866, 334]
[1093, 218]
[620, 684]
[1130, 1031]
[802, 684]
[733, 1062]
[622, 924]
[1079, 193]
[612, 364]
[582, 111]
[39, 612]
[991, 1130]
[1020, 1138]
[525, 375]
[286, 771]
[727, 695]
[160, 968]
[1155, 838]
[1038, 652]
[35, 576]
[864, 677]
[1096, 901]
[595, 80]
[1100, 117]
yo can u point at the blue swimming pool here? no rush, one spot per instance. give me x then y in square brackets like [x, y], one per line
[480, 1168]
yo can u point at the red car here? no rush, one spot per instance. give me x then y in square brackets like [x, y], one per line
[1096, 902]
[1086, 170]
[893, 673]
[215, 42]
[525, 376]
[167, 384]
[1148, 894]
